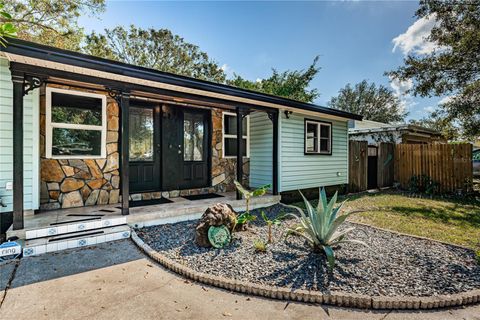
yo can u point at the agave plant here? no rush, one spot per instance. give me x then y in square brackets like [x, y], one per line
[320, 226]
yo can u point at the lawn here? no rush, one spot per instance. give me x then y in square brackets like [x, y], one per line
[452, 221]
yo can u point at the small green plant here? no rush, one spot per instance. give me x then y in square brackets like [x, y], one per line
[477, 256]
[260, 245]
[423, 184]
[245, 217]
[320, 226]
[271, 222]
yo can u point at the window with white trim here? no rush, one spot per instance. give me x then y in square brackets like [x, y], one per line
[318, 137]
[229, 133]
[76, 124]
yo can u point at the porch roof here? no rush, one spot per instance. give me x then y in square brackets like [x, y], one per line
[36, 53]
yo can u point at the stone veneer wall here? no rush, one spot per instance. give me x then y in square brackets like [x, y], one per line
[67, 183]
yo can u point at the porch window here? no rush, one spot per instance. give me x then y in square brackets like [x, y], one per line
[75, 124]
[230, 135]
[318, 137]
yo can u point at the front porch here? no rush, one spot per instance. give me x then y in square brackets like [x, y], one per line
[70, 228]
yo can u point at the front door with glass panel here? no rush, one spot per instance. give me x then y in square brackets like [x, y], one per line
[144, 153]
[186, 143]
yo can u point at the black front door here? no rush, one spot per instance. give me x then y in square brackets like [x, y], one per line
[185, 148]
[144, 125]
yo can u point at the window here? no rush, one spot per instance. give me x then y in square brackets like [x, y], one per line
[230, 135]
[318, 137]
[75, 124]
[141, 134]
[193, 133]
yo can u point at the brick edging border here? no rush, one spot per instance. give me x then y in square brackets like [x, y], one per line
[340, 299]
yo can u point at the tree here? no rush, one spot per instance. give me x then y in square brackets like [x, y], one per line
[453, 68]
[438, 122]
[52, 22]
[154, 48]
[7, 29]
[374, 103]
[289, 84]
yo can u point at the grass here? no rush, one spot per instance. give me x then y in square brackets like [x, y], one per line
[452, 221]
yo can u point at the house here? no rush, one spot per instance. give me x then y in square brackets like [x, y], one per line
[77, 131]
[375, 132]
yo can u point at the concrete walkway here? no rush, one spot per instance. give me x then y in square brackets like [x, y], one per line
[116, 281]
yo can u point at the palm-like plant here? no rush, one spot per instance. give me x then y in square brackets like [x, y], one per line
[246, 216]
[320, 226]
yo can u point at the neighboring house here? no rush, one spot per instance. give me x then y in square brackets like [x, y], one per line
[78, 130]
[376, 132]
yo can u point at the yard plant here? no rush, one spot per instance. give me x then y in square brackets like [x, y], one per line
[320, 226]
[246, 216]
[270, 223]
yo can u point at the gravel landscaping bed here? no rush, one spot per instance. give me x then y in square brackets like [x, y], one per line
[395, 265]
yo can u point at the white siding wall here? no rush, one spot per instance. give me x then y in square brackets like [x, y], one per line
[31, 143]
[299, 171]
[260, 149]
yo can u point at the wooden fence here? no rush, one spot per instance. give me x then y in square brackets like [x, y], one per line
[385, 167]
[358, 161]
[449, 165]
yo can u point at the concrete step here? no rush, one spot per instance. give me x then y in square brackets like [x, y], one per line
[74, 240]
[75, 224]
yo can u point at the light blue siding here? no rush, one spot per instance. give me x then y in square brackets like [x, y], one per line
[31, 143]
[260, 149]
[299, 171]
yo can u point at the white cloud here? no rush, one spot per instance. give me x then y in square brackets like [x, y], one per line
[227, 69]
[445, 100]
[429, 109]
[414, 40]
[400, 89]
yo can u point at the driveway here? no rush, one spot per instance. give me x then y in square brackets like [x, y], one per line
[116, 281]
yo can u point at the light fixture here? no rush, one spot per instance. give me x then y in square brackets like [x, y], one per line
[288, 113]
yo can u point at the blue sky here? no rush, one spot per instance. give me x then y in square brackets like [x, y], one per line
[353, 39]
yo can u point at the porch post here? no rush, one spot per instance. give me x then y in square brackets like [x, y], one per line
[274, 118]
[124, 150]
[239, 150]
[18, 92]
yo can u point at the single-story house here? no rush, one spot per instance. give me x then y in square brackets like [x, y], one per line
[80, 131]
[375, 132]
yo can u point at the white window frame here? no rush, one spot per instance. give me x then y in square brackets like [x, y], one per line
[49, 125]
[245, 136]
[318, 124]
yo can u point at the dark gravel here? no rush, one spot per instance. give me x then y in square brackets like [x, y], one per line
[394, 265]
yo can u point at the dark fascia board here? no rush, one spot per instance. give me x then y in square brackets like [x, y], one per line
[35, 50]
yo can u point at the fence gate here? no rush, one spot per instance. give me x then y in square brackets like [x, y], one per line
[386, 164]
[357, 162]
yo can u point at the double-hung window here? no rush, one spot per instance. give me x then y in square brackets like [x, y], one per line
[229, 127]
[75, 124]
[318, 137]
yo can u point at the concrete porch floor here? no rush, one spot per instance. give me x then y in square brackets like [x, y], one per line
[180, 209]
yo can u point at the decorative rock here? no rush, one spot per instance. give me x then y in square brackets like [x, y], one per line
[112, 136]
[85, 192]
[72, 199]
[146, 196]
[77, 163]
[94, 169]
[112, 123]
[101, 163]
[219, 214]
[112, 162]
[112, 108]
[53, 186]
[116, 182]
[51, 171]
[103, 197]
[218, 179]
[114, 195]
[54, 195]
[107, 186]
[174, 193]
[92, 198]
[156, 195]
[69, 171]
[96, 184]
[81, 174]
[71, 184]
[165, 195]
[136, 197]
[111, 148]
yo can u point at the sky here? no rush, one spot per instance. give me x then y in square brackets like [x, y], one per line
[355, 40]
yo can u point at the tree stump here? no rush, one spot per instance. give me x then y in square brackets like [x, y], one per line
[217, 215]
